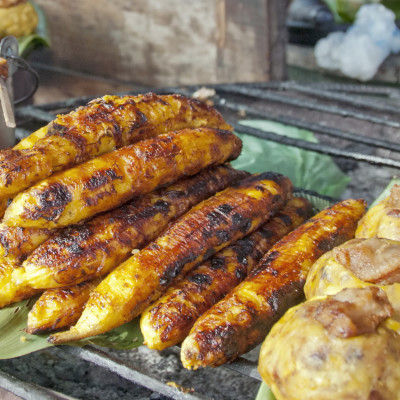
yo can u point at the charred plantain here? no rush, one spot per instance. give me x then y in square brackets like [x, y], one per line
[18, 243]
[242, 319]
[82, 252]
[59, 308]
[168, 321]
[206, 229]
[99, 127]
[10, 292]
[114, 178]
[23, 144]
[3, 207]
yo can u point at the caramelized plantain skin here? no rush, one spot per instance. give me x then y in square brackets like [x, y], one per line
[168, 321]
[99, 127]
[3, 206]
[242, 319]
[18, 243]
[59, 308]
[114, 178]
[82, 252]
[25, 143]
[206, 229]
[9, 291]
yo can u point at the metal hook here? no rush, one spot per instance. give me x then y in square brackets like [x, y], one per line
[22, 64]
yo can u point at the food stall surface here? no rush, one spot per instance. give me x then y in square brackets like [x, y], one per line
[355, 124]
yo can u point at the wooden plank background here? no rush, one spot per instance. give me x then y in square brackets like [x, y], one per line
[170, 42]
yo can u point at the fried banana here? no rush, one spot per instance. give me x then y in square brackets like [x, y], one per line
[206, 229]
[242, 319]
[59, 308]
[99, 127]
[116, 177]
[169, 320]
[82, 252]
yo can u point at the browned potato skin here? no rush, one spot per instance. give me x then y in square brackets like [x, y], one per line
[206, 229]
[59, 308]
[82, 252]
[168, 321]
[241, 320]
[99, 127]
[116, 177]
[308, 354]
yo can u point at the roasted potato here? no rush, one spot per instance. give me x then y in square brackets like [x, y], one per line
[337, 347]
[358, 263]
[382, 220]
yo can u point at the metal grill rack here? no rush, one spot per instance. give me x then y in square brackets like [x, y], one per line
[358, 125]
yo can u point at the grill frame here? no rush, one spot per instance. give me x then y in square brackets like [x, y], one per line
[238, 100]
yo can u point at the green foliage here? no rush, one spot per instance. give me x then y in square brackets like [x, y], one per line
[306, 169]
[15, 342]
[265, 393]
[346, 10]
[37, 39]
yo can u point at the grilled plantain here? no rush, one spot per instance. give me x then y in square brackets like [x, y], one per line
[242, 319]
[59, 308]
[97, 128]
[17, 243]
[23, 144]
[196, 236]
[9, 291]
[168, 321]
[3, 206]
[82, 252]
[114, 178]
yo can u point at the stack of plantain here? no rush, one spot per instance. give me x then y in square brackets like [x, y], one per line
[127, 206]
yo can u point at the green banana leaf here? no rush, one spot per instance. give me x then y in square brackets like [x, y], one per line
[15, 342]
[306, 169]
[346, 10]
[40, 38]
[264, 393]
[386, 191]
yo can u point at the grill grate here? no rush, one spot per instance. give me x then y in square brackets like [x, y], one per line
[352, 122]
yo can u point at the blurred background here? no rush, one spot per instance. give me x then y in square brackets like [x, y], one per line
[90, 47]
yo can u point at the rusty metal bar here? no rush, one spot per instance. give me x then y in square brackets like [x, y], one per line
[132, 373]
[317, 147]
[28, 390]
[316, 128]
[303, 103]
